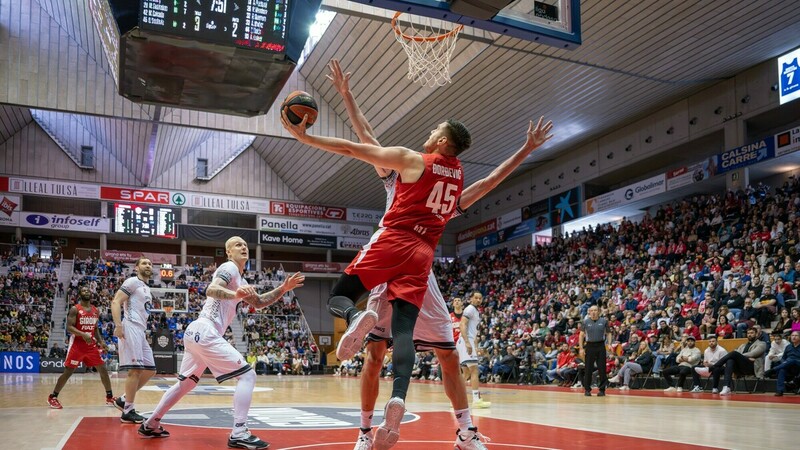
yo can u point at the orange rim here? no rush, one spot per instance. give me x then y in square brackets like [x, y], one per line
[440, 37]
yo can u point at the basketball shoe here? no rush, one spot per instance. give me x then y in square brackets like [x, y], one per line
[54, 403]
[159, 432]
[110, 401]
[131, 417]
[470, 440]
[247, 440]
[119, 403]
[481, 403]
[364, 441]
[389, 430]
[353, 338]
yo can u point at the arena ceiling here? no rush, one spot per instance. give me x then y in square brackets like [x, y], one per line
[636, 58]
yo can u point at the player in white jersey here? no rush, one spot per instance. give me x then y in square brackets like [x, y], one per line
[468, 347]
[434, 326]
[135, 354]
[207, 348]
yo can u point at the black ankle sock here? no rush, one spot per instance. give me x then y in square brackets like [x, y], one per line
[54, 394]
[109, 394]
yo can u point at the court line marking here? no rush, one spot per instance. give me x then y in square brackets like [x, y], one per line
[350, 443]
[68, 434]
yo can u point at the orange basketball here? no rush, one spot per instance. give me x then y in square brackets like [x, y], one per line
[299, 104]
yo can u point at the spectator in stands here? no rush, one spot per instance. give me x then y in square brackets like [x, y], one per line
[724, 329]
[734, 302]
[305, 365]
[56, 351]
[642, 363]
[775, 353]
[506, 364]
[748, 359]
[711, 356]
[789, 365]
[688, 357]
[795, 319]
[784, 323]
[747, 318]
[262, 363]
[563, 361]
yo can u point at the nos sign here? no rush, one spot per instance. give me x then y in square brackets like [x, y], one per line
[19, 362]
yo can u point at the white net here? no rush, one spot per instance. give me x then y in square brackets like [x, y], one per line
[429, 49]
[175, 299]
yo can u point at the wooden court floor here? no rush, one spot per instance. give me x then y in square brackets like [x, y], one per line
[322, 412]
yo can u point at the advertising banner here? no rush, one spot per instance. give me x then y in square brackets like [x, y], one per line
[364, 215]
[53, 188]
[285, 225]
[126, 256]
[637, 191]
[324, 267]
[565, 206]
[351, 243]
[56, 365]
[510, 218]
[789, 76]
[64, 222]
[466, 248]
[135, 195]
[787, 142]
[221, 203]
[19, 362]
[695, 173]
[307, 211]
[477, 231]
[746, 155]
[296, 239]
[9, 210]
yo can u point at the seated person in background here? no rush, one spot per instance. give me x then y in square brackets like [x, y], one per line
[691, 330]
[708, 324]
[662, 355]
[505, 364]
[747, 318]
[790, 364]
[724, 329]
[775, 350]
[306, 365]
[713, 353]
[688, 357]
[565, 358]
[643, 361]
[748, 359]
[784, 321]
[765, 309]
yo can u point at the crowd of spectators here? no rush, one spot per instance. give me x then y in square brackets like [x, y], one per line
[708, 265]
[26, 306]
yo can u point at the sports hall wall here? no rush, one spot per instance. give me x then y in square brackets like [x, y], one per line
[714, 119]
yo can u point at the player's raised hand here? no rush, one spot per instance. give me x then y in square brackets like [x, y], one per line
[539, 135]
[294, 281]
[340, 80]
[299, 130]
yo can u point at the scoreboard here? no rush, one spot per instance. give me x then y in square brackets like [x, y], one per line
[255, 24]
[148, 221]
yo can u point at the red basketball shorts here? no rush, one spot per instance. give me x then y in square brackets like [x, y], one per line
[398, 259]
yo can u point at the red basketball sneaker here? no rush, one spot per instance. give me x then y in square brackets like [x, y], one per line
[54, 403]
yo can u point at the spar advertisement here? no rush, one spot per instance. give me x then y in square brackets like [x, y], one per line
[686, 175]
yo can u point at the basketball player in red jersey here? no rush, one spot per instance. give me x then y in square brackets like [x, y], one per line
[400, 253]
[455, 317]
[85, 345]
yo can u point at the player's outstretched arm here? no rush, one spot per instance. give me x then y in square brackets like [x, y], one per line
[362, 128]
[395, 158]
[219, 291]
[535, 138]
[116, 313]
[268, 298]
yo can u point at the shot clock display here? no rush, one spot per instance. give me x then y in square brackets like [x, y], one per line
[255, 24]
[167, 272]
[148, 221]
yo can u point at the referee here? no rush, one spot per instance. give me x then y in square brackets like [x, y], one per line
[593, 342]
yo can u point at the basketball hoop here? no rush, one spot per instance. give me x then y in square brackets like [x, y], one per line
[168, 311]
[429, 50]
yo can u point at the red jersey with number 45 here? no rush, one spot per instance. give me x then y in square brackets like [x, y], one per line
[424, 207]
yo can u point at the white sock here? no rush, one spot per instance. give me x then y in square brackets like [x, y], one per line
[464, 419]
[170, 398]
[476, 395]
[366, 420]
[242, 397]
[128, 407]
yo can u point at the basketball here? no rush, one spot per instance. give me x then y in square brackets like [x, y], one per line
[299, 104]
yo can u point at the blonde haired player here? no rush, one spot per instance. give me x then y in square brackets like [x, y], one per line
[207, 348]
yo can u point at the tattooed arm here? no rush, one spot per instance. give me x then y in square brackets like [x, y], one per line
[266, 299]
